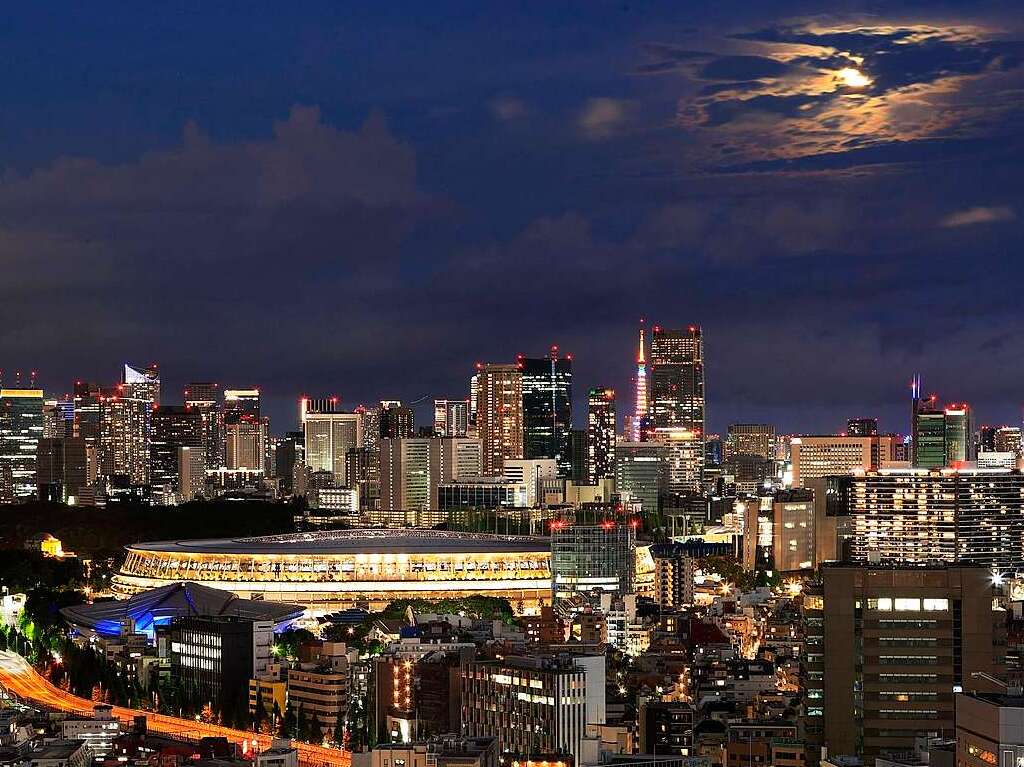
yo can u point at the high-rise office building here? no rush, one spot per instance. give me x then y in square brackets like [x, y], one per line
[141, 383]
[202, 397]
[191, 473]
[414, 467]
[600, 434]
[547, 407]
[862, 427]
[677, 378]
[124, 434]
[330, 433]
[589, 559]
[921, 516]
[396, 420]
[1007, 439]
[171, 428]
[499, 414]
[815, 457]
[451, 417]
[684, 459]
[793, 530]
[752, 439]
[641, 470]
[534, 705]
[888, 648]
[244, 442]
[959, 434]
[942, 436]
[578, 456]
[21, 428]
[62, 468]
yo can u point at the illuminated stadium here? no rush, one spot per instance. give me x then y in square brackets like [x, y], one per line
[327, 571]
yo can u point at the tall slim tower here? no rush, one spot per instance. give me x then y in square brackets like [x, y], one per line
[640, 411]
[547, 408]
[499, 414]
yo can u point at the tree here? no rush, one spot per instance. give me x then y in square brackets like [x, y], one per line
[301, 724]
[316, 730]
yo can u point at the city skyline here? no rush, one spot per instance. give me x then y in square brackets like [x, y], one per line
[284, 408]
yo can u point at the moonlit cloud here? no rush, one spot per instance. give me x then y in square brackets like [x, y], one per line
[602, 118]
[508, 108]
[797, 90]
[979, 215]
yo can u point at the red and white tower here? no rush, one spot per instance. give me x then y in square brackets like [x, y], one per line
[641, 389]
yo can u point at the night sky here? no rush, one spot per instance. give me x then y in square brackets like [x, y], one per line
[366, 199]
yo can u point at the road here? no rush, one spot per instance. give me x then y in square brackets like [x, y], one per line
[19, 678]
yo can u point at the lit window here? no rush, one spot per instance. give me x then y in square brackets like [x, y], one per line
[907, 603]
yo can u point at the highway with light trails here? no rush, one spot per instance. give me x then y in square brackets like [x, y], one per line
[22, 681]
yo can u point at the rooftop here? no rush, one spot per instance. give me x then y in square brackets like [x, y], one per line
[354, 542]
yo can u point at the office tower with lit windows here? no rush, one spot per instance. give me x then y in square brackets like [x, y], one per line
[959, 433]
[861, 427]
[330, 433]
[1006, 439]
[191, 473]
[451, 417]
[641, 473]
[244, 432]
[942, 436]
[888, 648]
[677, 378]
[916, 516]
[203, 398]
[816, 457]
[62, 467]
[684, 459]
[171, 428]
[534, 705]
[592, 559]
[547, 408]
[396, 420]
[793, 530]
[414, 467]
[141, 383]
[124, 435]
[600, 434]
[21, 428]
[752, 439]
[499, 414]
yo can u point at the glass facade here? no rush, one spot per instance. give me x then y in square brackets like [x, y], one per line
[588, 558]
[21, 427]
[547, 409]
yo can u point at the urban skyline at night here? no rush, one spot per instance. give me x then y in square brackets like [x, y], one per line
[619, 383]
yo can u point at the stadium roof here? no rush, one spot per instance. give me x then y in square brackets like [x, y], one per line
[158, 606]
[361, 541]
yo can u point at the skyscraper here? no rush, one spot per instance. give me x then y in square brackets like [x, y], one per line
[677, 401]
[451, 417]
[330, 433]
[640, 398]
[941, 436]
[201, 396]
[600, 434]
[499, 414]
[396, 420]
[243, 431]
[592, 558]
[172, 427]
[124, 434]
[862, 427]
[640, 473]
[677, 378]
[413, 467]
[21, 428]
[547, 408]
[142, 383]
[752, 439]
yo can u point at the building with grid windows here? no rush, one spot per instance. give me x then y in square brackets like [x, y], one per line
[888, 648]
[927, 516]
[592, 558]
